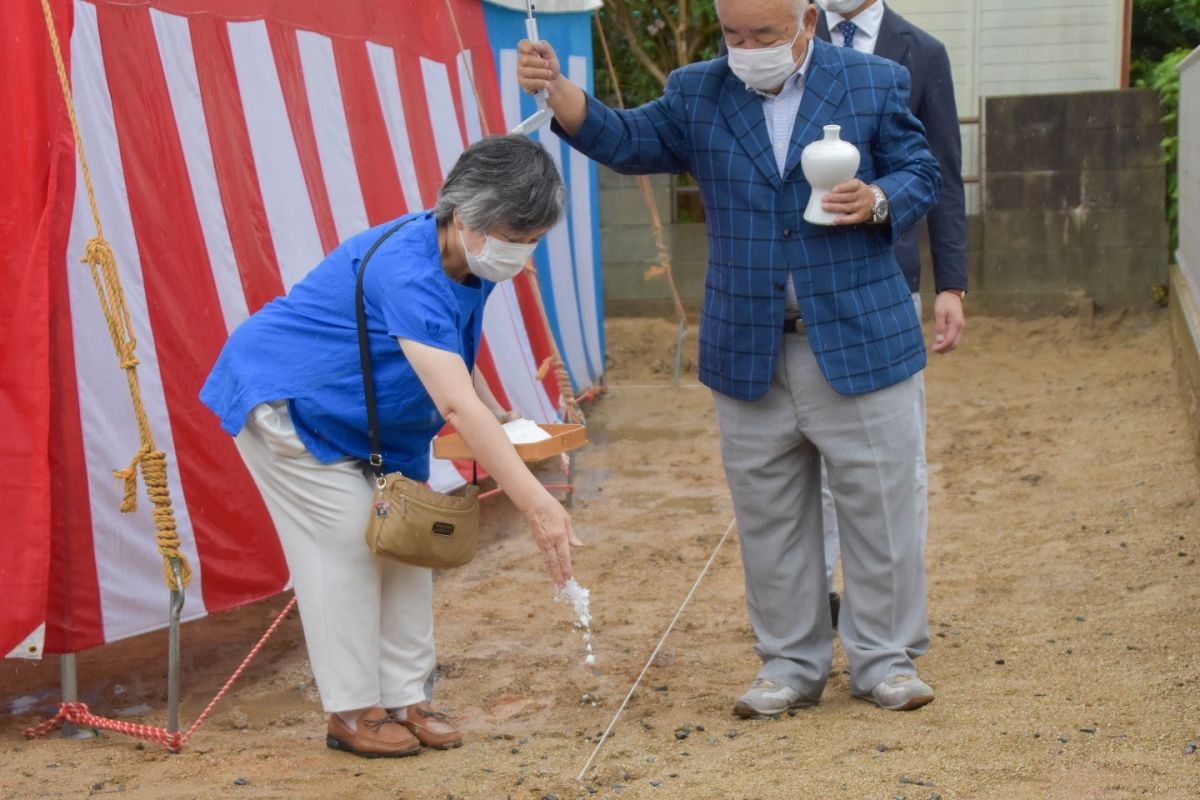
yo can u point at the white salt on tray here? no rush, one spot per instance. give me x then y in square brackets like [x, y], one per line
[578, 597]
[524, 431]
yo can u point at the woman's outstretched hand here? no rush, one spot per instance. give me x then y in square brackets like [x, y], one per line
[551, 527]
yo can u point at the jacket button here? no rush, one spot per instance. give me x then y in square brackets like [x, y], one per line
[779, 286]
[787, 233]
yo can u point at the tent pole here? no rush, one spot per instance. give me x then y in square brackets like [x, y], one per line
[176, 610]
[70, 694]
[70, 691]
[679, 350]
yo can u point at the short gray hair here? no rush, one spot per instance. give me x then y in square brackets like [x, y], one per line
[506, 181]
[801, 6]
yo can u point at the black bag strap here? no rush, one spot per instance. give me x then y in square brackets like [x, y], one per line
[364, 354]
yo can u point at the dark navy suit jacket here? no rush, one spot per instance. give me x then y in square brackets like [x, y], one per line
[932, 101]
[855, 301]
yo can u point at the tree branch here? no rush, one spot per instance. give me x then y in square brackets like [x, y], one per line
[623, 20]
[681, 31]
[705, 34]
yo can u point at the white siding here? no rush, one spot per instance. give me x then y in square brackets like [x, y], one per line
[1035, 47]
[1188, 255]
[1013, 47]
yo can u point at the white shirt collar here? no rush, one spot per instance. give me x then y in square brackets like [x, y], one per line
[868, 21]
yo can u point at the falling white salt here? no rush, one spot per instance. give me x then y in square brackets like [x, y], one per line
[578, 596]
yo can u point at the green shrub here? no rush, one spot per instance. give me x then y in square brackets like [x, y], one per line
[1163, 77]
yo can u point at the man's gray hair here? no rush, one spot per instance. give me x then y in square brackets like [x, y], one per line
[506, 181]
[800, 5]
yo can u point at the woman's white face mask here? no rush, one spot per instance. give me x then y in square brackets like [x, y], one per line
[498, 260]
[764, 68]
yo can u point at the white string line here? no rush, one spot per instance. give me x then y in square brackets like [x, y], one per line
[666, 633]
[627, 386]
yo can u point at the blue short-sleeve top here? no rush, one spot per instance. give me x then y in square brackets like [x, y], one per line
[303, 348]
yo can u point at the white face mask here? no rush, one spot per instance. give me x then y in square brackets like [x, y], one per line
[764, 68]
[842, 7]
[499, 260]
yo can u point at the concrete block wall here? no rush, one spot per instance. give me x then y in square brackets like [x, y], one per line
[1074, 200]
[628, 248]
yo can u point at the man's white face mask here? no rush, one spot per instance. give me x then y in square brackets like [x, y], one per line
[764, 68]
[842, 7]
[499, 260]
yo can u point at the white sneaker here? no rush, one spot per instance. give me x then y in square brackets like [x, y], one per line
[768, 698]
[902, 692]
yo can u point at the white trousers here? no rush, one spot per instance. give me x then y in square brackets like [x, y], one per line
[368, 621]
[829, 510]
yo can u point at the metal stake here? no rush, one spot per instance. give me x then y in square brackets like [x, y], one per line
[570, 499]
[679, 349]
[175, 612]
[70, 694]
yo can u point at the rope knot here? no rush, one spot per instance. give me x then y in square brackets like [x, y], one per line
[129, 476]
[98, 251]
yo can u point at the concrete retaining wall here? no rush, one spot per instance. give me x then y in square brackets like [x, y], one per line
[628, 247]
[1074, 200]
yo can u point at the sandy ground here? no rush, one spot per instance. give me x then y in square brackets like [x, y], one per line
[1064, 596]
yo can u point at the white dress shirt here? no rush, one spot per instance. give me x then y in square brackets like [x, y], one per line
[780, 112]
[868, 22]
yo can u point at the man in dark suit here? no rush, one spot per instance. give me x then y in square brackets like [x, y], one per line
[870, 26]
[808, 335]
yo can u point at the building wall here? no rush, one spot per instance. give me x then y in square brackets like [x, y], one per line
[1188, 254]
[1185, 277]
[1015, 47]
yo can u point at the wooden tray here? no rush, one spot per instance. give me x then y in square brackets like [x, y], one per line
[562, 438]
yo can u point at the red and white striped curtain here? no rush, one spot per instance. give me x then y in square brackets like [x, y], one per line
[232, 143]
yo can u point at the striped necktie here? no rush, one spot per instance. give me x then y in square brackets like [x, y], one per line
[848, 29]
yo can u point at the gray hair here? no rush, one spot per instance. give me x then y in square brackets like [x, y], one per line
[801, 7]
[506, 181]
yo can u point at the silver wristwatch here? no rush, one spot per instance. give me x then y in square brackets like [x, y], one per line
[879, 211]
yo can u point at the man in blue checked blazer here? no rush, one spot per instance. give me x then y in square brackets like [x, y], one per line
[808, 336]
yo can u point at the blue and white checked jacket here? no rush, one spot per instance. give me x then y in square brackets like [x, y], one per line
[855, 302]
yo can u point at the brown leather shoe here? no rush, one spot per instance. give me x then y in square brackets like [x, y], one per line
[431, 727]
[379, 735]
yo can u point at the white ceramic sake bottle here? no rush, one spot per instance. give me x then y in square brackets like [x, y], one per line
[826, 163]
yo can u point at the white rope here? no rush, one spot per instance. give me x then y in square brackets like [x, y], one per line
[619, 387]
[666, 633]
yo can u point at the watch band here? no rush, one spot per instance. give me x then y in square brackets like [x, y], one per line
[878, 217]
